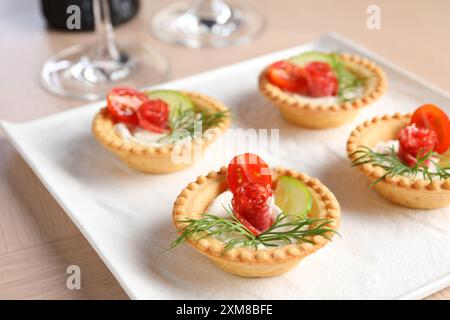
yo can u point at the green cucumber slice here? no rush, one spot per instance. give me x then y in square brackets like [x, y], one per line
[311, 56]
[176, 100]
[293, 197]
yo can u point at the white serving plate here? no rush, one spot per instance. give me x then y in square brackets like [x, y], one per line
[386, 252]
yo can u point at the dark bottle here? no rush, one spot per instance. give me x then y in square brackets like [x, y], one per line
[55, 12]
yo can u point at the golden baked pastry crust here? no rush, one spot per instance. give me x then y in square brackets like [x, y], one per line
[415, 193]
[319, 116]
[157, 159]
[248, 262]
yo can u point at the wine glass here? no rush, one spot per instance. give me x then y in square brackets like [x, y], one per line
[207, 23]
[90, 71]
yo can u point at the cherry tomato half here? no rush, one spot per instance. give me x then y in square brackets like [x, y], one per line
[288, 76]
[153, 116]
[123, 103]
[432, 117]
[247, 167]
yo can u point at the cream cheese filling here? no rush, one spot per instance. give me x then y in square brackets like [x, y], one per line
[329, 100]
[141, 136]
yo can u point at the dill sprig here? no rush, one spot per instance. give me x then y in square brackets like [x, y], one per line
[393, 165]
[186, 121]
[284, 229]
[348, 82]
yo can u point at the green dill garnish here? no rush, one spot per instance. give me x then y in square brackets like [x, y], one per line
[394, 166]
[348, 82]
[189, 123]
[283, 230]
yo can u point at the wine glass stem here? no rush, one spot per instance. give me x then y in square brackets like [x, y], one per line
[106, 47]
[211, 10]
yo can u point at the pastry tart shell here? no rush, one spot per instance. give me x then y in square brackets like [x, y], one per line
[415, 193]
[249, 262]
[162, 159]
[304, 113]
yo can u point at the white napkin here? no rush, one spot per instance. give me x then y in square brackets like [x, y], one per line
[386, 251]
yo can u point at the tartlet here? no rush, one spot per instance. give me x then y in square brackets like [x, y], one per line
[417, 193]
[251, 262]
[159, 159]
[302, 112]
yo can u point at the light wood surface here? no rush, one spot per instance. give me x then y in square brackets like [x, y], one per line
[37, 240]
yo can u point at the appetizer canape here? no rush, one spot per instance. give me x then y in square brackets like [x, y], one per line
[406, 156]
[255, 222]
[159, 131]
[322, 90]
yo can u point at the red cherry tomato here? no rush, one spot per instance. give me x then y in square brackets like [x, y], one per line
[322, 81]
[288, 76]
[153, 116]
[123, 103]
[431, 117]
[247, 167]
[251, 206]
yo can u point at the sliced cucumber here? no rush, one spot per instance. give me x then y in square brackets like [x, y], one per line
[311, 56]
[293, 197]
[175, 100]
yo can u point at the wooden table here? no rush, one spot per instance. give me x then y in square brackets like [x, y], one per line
[37, 240]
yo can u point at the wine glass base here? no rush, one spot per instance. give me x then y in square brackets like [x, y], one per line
[177, 24]
[73, 73]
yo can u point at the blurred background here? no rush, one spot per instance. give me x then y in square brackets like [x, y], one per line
[412, 34]
[36, 236]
